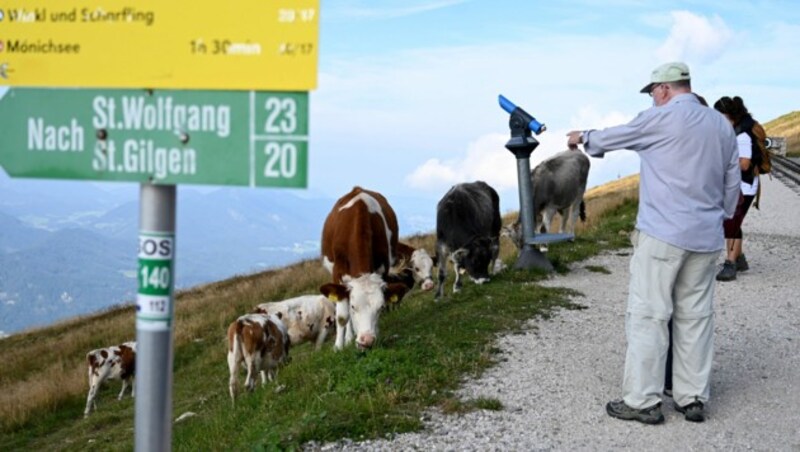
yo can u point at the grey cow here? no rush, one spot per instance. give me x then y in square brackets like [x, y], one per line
[559, 183]
[468, 232]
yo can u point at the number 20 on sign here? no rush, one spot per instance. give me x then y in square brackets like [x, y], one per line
[154, 299]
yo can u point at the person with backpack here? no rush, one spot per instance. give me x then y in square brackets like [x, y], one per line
[752, 153]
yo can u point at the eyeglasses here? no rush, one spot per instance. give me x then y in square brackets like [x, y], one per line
[654, 89]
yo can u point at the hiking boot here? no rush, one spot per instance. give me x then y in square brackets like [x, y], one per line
[620, 410]
[693, 412]
[741, 264]
[728, 272]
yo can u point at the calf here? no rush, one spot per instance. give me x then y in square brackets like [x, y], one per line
[262, 342]
[111, 363]
[559, 183]
[359, 246]
[467, 231]
[307, 318]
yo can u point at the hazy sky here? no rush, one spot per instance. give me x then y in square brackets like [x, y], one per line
[406, 101]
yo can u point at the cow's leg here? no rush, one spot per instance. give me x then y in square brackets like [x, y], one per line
[321, 336]
[565, 216]
[268, 369]
[342, 322]
[574, 213]
[258, 368]
[349, 333]
[547, 219]
[124, 387]
[441, 261]
[89, 395]
[233, 368]
[133, 387]
[496, 265]
[537, 227]
[252, 370]
[94, 384]
[90, 400]
[457, 270]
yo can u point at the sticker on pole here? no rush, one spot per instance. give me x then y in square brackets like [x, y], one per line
[154, 298]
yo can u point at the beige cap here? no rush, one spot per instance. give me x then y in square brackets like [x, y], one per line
[667, 72]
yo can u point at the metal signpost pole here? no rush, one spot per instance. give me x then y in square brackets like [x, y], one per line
[154, 318]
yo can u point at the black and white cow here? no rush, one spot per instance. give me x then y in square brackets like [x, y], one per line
[467, 231]
[558, 183]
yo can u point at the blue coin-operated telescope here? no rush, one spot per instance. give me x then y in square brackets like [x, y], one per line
[522, 145]
[519, 115]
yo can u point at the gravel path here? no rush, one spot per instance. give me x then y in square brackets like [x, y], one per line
[555, 379]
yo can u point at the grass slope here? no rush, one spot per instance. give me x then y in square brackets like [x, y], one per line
[787, 126]
[425, 350]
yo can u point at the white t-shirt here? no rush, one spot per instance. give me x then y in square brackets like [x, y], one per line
[745, 144]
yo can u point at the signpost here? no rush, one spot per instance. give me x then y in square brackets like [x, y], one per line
[254, 45]
[256, 139]
[131, 103]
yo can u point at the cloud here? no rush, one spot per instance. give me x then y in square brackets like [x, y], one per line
[486, 159]
[695, 38]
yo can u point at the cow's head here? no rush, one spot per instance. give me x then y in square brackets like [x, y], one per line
[514, 233]
[367, 295]
[328, 313]
[475, 257]
[404, 276]
[423, 266]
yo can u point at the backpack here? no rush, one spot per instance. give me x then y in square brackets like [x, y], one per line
[762, 160]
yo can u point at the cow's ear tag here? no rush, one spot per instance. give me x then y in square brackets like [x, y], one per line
[333, 297]
[393, 299]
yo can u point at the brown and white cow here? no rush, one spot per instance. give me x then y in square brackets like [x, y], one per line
[419, 261]
[307, 317]
[262, 342]
[359, 246]
[111, 363]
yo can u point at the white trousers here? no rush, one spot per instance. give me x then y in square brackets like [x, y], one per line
[667, 281]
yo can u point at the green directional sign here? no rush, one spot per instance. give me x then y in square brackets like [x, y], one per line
[255, 138]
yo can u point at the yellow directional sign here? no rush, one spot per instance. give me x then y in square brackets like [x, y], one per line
[177, 44]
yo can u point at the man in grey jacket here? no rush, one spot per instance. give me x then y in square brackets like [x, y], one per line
[689, 183]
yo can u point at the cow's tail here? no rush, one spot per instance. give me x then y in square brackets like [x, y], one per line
[582, 213]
